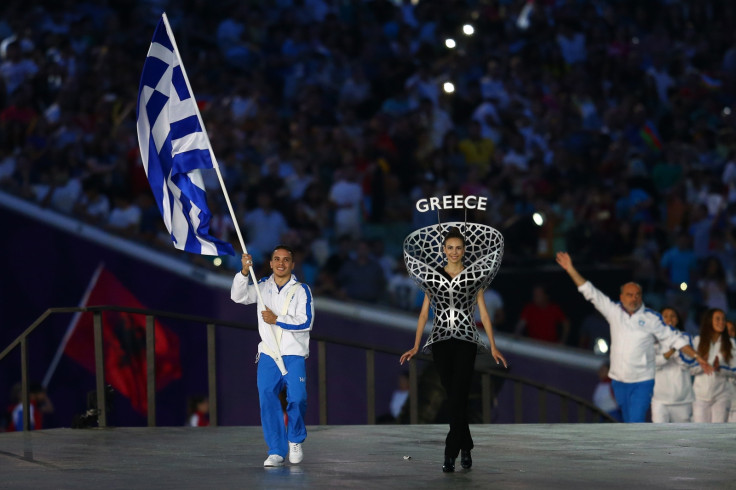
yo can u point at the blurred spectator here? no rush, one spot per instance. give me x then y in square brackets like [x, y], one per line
[541, 319]
[16, 68]
[402, 291]
[700, 231]
[346, 196]
[494, 306]
[400, 395]
[93, 205]
[603, 394]
[198, 411]
[264, 227]
[387, 261]
[398, 398]
[40, 405]
[477, 150]
[305, 268]
[679, 264]
[712, 284]
[362, 278]
[64, 190]
[125, 216]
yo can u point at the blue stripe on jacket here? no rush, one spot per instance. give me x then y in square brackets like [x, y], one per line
[687, 360]
[306, 324]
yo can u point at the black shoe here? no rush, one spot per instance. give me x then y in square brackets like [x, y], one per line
[465, 460]
[449, 465]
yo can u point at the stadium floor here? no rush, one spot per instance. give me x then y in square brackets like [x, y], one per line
[519, 456]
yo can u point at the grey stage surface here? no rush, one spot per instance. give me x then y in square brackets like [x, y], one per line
[556, 456]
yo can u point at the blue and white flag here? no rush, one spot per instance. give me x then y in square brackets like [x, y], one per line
[174, 148]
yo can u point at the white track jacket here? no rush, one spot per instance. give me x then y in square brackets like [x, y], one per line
[673, 384]
[294, 325]
[633, 337]
[717, 386]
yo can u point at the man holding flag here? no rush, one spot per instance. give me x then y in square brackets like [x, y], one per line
[284, 324]
[174, 149]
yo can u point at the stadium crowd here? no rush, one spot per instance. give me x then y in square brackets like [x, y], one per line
[605, 128]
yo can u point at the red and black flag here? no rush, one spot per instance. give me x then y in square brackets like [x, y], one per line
[124, 336]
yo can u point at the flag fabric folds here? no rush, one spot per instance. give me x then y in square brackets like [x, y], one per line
[174, 148]
[124, 341]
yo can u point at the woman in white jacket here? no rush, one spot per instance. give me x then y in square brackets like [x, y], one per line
[672, 400]
[713, 392]
[731, 329]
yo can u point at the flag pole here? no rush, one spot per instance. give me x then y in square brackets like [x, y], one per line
[216, 166]
[209, 144]
[72, 327]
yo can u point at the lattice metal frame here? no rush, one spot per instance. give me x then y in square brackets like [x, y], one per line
[453, 306]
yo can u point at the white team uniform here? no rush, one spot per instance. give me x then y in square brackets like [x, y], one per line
[633, 337]
[673, 388]
[713, 392]
[294, 325]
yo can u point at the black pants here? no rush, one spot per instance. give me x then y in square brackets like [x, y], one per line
[455, 361]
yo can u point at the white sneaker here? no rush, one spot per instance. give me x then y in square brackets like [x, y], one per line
[273, 460]
[295, 453]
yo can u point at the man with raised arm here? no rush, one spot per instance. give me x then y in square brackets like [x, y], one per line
[634, 329]
[288, 314]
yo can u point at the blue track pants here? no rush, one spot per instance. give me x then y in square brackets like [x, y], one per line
[633, 398]
[270, 384]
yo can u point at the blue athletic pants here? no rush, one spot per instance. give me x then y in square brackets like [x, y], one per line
[270, 384]
[633, 398]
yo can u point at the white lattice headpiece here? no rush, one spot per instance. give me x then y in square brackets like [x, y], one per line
[483, 252]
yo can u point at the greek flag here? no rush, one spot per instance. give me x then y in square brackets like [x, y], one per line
[174, 147]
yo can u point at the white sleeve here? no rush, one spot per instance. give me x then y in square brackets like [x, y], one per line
[659, 360]
[694, 366]
[684, 361]
[667, 336]
[601, 302]
[241, 291]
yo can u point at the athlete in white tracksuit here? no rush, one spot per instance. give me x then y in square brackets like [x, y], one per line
[731, 329]
[284, 327]
[713, 393]
[672, 400]
[673, 386]
[634, 330]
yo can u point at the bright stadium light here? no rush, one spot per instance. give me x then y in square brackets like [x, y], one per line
[683, 286]
[600, 346]
[538, 219]
[449, 87]
[450, 43]
[468, 30]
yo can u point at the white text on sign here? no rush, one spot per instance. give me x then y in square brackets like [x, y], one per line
[452, 202]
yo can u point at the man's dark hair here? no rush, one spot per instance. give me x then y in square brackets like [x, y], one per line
[283, 247]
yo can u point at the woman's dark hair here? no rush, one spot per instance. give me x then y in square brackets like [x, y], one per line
[706, 334]
[454, 233]
[679, 326]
